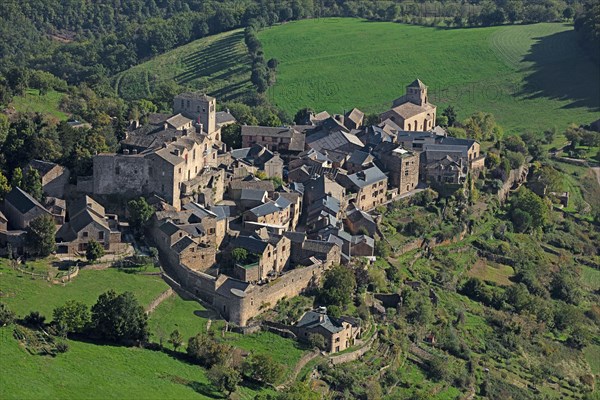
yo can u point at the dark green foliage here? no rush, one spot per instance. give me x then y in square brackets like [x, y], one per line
[94, 250]
[73, 317]
[205, 350]
[338, 286]
[587, 26]
[32, 184]
[40, 235]
[231, 135]
[316, 340]
[6, 315]
[262, 368]
[176, 339]
[224, 378]
[139, 213]
[302, 116]
[450, 114]
[119, 318]
[565, 286]
[34, 320]
[528, 203]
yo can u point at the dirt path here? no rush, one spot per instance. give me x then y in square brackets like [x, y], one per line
[597, 172]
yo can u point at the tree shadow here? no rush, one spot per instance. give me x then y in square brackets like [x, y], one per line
[205, 390]
[560, 70]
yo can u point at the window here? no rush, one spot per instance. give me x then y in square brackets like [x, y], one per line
[179, 170]
[117, 170]
[85, 234]
[211, 231]
[100, 235]
[188, 104]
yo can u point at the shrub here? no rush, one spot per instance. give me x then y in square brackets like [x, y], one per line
[34, 319]
[6, 315]
[62, 347]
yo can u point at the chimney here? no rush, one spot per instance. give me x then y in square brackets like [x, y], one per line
[201, 128]
[165, 126]
[224, 148]
[164, 145]
[173, 138]
[134, 151]
[185, 132]
[126, 152]
[176, 151]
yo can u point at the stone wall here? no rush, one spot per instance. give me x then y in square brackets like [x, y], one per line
[515, 177]
[353, 355]
[117, 173]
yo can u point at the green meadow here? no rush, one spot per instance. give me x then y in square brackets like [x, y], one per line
[32, 101]
[218, 65]
[531, 77]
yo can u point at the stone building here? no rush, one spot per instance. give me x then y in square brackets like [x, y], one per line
[267, 257]
[339, 333]
[250, 160]
[369, 187]
[277, 214]
[281, 139]
[412, 112]
[200, 108]
[54, 177]
[20, 208]
[446, 171]
[88, 221]
[401, 164]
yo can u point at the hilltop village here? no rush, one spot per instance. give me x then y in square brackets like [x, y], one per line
[244, 228]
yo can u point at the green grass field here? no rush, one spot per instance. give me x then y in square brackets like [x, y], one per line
[49, 103]
[23, 294]
[100, 372]
[492, 272]
[218, 65]
[530, 77]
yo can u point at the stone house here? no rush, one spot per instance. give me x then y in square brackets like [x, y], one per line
[412, 112]
[194, 255]
[353, 245]
[200, 108]
[446, 171]
[358, 161]
[236, 186]
[256, 158]
[339, 333]
[54, 177]
[268, 257]
[88, 221]
[276, 214]
[369, 187]
[359, 222]
[281, 139]
[305, 250]
[330, 143]
[21, 208]
[401, 164]
[353, 119]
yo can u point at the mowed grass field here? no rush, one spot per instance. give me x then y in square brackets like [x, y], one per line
[48, 103]
[94, 371]
[23, 294]
[218, 65]
[531, 77]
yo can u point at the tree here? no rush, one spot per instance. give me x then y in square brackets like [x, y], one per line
[40, 235]
[6, 315]
[139, 213]
[119, 317]
[224, 378]
[273, 63]
[437, 369]
[262, 368]
[72, 317]
[17, 178]
[521, 220]
[299, 391]
[207, 351]
[441, 120]
[176, 339]
[316, 340]
[529, 202]
[34, 319]
[4, 186]
[239, 254]
[231, 135]
[94, 250]
[302, 117]
[339, 286]
[450, 114]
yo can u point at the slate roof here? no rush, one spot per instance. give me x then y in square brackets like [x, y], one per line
[359, 157]
[417, 83]
[271, 207]
[177, 121]
[355, 115]
[255, 184]
[22, 200]
[199, 211]
[357, 214]
[43, 167]
[183, 244]
[221, 212]
[252, 194]
[313, 319]
[224, 117]
[169, 228]
[332, 141]
[367, 177]
[195, 95]
[407, 110]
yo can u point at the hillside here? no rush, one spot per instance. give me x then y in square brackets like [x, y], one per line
[515, 72]
[217, 64]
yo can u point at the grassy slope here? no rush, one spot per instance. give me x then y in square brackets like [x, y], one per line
[516, 72]
[31, 101]
[23, 294]
[189, 318]
[218, 65]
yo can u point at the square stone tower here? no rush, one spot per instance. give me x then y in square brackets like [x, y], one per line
[416, 93]
[199, 107]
